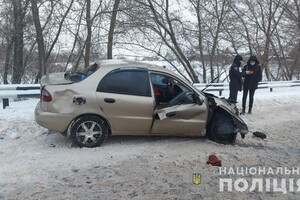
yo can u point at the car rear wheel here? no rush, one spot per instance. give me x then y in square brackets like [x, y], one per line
[89, 131]
[222, 129]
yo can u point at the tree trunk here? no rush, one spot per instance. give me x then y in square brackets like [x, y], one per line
[18, 69]
[89, 34]
[200, 40]
[7, 60]
[75, 40]
[40, 38]
[112, 28]
[174, 46]
[220, 18]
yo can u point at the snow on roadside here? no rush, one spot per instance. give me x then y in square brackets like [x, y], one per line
[17, 120]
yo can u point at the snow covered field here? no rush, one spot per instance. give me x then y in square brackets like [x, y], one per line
[38, 164]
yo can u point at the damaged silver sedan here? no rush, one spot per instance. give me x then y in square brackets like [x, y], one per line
[131, 98]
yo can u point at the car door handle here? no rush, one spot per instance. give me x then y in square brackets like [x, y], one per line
[109, 100]
[170, 114]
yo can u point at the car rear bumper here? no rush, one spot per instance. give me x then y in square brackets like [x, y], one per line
[53, 121]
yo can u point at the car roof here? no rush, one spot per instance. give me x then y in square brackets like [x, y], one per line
[122, 63]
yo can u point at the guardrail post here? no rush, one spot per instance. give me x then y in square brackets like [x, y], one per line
[5, 103]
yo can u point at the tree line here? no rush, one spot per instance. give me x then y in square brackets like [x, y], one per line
[198, 38]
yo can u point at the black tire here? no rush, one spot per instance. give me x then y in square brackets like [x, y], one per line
[89, 131]
[222, 129]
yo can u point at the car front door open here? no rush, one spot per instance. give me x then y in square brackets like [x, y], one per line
[182, 115]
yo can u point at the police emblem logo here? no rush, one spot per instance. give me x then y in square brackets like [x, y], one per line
[196, 178]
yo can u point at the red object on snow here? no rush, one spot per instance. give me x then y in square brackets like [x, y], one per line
[214, 161]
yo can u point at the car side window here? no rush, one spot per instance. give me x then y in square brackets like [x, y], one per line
[167, 88]
[126, 81]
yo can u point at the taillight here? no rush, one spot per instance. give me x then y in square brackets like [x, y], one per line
[46, 96]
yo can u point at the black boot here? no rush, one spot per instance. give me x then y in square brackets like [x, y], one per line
[243, 111]
[250, 110]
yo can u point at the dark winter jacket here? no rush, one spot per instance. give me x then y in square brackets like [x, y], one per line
[235, 75]
[251, 80]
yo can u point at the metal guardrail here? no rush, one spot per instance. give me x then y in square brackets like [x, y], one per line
[261, 85]
[33, 90]
[18, 91]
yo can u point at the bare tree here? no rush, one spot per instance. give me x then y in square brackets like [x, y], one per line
[220, 9]
[243, 32]
[265, 17]
[197, 6]
[39, 37]
[19, 10]
[293, 14]
[164, 26]
[89, 34]
[76, 38]
[44, 53]
[7, 59]
[60, 26]
[197, 45]
[112, 28]
[90, 19]
[6, 36]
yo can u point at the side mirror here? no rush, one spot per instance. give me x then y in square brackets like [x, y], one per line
[197, 99]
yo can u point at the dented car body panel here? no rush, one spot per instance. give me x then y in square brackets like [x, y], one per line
[130, 98]
[189, 119]
[216, 103]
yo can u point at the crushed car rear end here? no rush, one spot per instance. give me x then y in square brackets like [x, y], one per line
[60, 101]
[49, 112]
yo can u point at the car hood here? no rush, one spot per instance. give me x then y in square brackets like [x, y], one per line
[216, 101]
[54, 79]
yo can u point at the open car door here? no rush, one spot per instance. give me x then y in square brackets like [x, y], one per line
[185, 114]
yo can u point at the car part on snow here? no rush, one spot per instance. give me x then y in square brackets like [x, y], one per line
[214, 161]
[259, 134]
[243, 135]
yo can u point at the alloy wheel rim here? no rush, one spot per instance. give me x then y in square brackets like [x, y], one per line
[88, 132]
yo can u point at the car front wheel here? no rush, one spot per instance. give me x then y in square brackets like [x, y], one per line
[222, 129]
[89, 131]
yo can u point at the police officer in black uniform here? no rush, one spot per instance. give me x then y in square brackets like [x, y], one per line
[251, 81]
[236, 81]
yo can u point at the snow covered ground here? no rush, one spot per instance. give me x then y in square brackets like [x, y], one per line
[38, 164]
